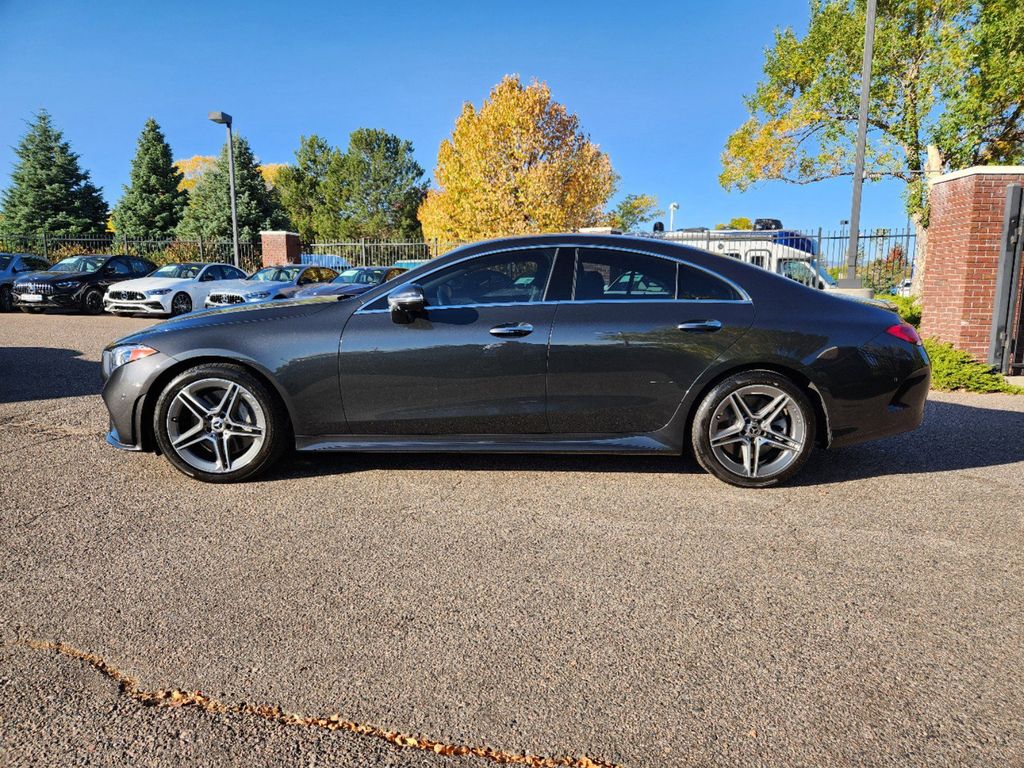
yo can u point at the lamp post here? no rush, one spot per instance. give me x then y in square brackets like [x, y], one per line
[225, 119]
[672, 208]
[850, 281]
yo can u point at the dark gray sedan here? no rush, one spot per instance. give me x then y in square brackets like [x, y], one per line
[554, 343]
[13, 266]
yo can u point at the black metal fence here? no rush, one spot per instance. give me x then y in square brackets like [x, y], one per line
[885, 257]
[159, 251]
[374, 253]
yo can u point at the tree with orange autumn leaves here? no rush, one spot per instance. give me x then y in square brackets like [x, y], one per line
[519, 164]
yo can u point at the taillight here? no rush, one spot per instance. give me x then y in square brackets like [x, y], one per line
[904, 331]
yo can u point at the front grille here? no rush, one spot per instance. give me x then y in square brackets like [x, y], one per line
[127, 296]
[225, 298]
[41, 288]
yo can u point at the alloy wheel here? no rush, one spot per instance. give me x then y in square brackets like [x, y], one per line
[181, 304]
[216, 425]
[757, 431]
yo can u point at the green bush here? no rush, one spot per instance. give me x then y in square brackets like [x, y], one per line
[907, 306]
[953, 369]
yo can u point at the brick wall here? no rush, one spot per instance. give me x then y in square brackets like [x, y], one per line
[280, 248]
[965, 227]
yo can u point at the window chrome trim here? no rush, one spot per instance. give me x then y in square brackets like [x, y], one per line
[744, 296]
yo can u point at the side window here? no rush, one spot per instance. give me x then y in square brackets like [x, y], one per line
[696, 284]
[497, 278]
[38, 264]
[141, 267]
[120, 267]
[800, 271]
[308, 276]
[233, 273]
[612, 275]
[212, 273]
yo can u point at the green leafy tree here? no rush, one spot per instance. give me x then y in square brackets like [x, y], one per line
[49, 190]
[209, 210]
[632, 211]
[152, 204]
[947, 75]
[301, 186]
[736, 222]
[372, 190]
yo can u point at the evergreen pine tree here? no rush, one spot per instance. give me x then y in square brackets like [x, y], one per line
[49, 191]
[152, 204]
[209, 210]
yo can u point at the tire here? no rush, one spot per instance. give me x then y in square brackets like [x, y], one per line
[6, 300]
[763, 426]
[252, 431]
[181, 304]
[92, 301]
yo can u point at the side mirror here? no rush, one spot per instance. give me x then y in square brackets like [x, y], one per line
[406, 302]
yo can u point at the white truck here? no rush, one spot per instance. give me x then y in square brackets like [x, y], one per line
[783, 251]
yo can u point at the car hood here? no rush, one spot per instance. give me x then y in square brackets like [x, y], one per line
[238, 313]
[247, 286]
[50, 275]
[334, 289]
[144, 284]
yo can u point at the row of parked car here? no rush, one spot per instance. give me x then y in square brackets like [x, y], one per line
[130, 285]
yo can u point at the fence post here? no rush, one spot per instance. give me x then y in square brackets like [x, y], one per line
[46, 250]
[362, 249]
[202, 253]
[819, 244]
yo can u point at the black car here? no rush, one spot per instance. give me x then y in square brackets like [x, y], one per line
[77, 282]
[12, 265]
[554, 343]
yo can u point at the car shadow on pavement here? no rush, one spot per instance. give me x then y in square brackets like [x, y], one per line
[952, 437]
[44, 373]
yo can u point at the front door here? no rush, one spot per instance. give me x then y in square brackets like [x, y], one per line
[635, 334]
[473, 363]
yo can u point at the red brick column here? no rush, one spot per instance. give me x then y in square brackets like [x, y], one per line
[965, 224]
[280, 248]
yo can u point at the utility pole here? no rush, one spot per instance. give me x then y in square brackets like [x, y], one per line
[851, 281]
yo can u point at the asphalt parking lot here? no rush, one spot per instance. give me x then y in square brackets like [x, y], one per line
[635, 611]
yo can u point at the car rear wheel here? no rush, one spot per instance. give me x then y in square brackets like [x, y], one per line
[754, 429]
[181, 304]
[218, 423]
[92, 301]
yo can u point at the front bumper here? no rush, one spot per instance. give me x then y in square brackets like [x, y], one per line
[146, 307]
[124, 394]
[48, 300]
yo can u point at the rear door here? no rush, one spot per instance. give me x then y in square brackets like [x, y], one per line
[636, 331]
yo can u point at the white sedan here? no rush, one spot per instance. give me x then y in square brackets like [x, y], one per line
[173, 289]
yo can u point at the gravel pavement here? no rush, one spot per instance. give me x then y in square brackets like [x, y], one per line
[633, 610]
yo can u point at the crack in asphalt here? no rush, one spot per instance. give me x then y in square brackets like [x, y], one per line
[177, 697]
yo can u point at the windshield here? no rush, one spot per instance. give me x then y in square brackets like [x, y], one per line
[277, 274]
[360, 276]
[79, 264]
[184, 271]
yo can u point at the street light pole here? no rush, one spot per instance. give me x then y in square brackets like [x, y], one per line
[862, 133]
[672, 208]
[225, 119]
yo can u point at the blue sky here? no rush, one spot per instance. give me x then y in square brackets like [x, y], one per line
[659, 86]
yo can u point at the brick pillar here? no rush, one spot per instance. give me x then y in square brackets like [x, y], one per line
[965, 224]
[280, 248]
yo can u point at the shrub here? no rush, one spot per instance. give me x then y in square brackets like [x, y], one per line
[953, 369]
[908, 308]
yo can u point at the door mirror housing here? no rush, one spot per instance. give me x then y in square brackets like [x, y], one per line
[405, 302]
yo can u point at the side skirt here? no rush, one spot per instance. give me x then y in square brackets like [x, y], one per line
[650, 443]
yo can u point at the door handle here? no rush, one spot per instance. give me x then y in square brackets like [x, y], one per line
[700, 326]
[512, 330]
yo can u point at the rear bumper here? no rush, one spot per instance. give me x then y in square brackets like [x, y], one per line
[886, 390]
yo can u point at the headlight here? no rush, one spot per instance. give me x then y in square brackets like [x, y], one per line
[159, 292]
[126, 353]
[259, 295]
[68, 284]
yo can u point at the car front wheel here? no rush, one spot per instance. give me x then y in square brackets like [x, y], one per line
[754, 429]
[181, 304]
[218, 423]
